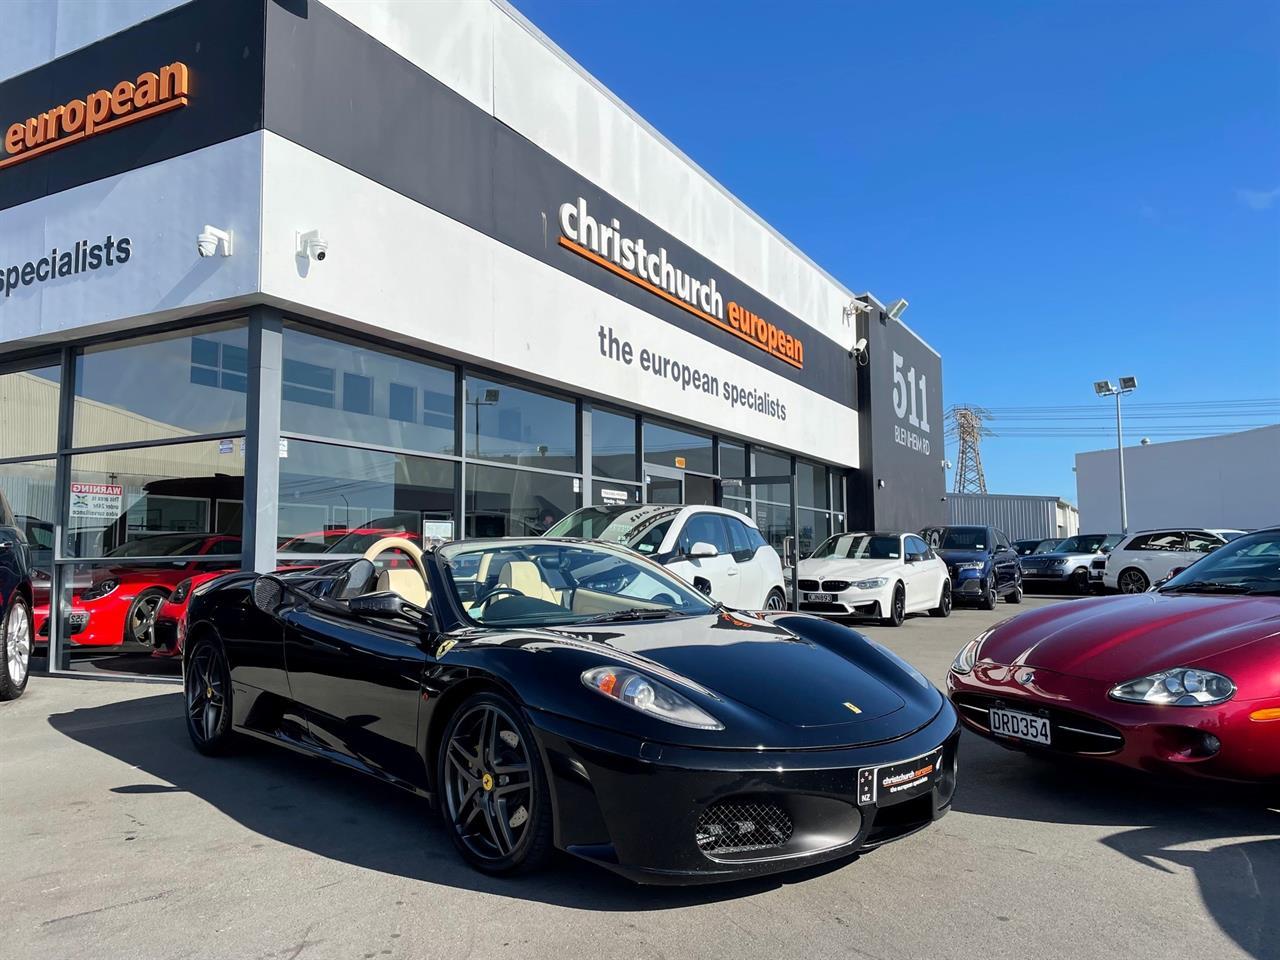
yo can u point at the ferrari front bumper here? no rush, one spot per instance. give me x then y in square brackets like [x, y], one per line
[661, 814]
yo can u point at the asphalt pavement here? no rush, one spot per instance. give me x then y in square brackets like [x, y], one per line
[117, 840]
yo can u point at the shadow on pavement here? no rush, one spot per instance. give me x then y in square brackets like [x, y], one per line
[1228, 836]
[315, 805]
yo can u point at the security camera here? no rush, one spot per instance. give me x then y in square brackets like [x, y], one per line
[313, 246]
[209, 239]
[860, 346]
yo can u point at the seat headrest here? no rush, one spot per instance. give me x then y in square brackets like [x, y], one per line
[407, 582]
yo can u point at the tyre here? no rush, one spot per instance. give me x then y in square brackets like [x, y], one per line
[897, 608]
[1132, 580]
[989, 595]
[15, 648]
[1080, 582]
[776, 600]
[943, 609]
[206, 687]
[139, 624]
[492, 788]
[1014, 595]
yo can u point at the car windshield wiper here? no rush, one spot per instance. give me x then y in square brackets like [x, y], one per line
[1208, 586]
[634, 613]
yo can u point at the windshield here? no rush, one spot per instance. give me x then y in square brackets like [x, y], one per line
[1248, 564]
[548, 583]
[640, 528]
[1024, 548]
[956, 538]
[1090, 543]
[859, 546]
[163, 545]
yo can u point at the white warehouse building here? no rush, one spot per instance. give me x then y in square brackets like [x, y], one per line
[1226, 481]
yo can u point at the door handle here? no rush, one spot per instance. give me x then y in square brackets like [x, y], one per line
[733, 571]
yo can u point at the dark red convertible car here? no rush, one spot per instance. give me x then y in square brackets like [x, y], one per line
[1184, 677]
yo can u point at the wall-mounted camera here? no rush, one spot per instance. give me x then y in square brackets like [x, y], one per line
[210, 239]
[312, 246]
[860, 352]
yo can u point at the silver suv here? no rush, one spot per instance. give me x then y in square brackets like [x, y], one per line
[1067, 564]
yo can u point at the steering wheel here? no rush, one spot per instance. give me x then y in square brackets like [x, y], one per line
[379, 547]
[495, 593]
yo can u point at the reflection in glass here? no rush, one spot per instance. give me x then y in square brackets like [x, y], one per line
[332, 388]
[340, 499]
[613, 445]
[669, 447]
[811, 485]
[515, 425]
[29, 412]
[515, 503]
[28, 502]
[733, 459]
[160, 387]
[769, 464]
[612, 493]
[815, 527]
[118, 497]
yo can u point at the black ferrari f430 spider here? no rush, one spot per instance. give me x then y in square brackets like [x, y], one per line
[565, 694]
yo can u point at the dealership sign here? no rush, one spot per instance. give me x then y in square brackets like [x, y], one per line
[98, 112]
[606, 245]
[83, 256]
[95, 504]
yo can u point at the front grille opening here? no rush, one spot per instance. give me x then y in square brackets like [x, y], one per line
[742, 827]
[835, 586]
[810, 585]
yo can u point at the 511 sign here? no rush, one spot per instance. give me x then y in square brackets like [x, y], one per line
[907, 387]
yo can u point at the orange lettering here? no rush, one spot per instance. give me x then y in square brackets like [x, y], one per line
[13, 138]
[73, 117]
[98, 108]
[173, 81]
[122, 98]
[148, 91]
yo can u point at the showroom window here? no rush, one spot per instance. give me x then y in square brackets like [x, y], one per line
[516, 503]
[511, 424]
[29, 401]
[670, 447]
[613, 445]
[347, 391]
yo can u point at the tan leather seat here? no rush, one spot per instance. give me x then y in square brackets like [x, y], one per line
[407, 582]
[523, 575]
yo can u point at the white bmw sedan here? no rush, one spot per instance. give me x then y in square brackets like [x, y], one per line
[881, 575]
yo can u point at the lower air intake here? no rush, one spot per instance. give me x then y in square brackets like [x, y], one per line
[742, 827]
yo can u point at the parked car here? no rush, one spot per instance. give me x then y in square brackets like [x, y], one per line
[1025, 548]
[1227, 533]
[719, 551]
[17, 632]
[534, 712]
[1179, 679]
[117, 603]
[882, 575]
[980, 561]
[1067, 565]
[1151, 555]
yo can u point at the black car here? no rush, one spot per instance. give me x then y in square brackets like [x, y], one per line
[550, 693]
[982, 563]
[16, 627]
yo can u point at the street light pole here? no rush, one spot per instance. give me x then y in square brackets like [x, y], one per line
[1105, 388]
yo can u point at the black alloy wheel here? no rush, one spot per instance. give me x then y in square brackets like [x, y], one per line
[493, 793]
[1133, 581]
[897, 608]
[943, 609]
[1015, 595]
[206, 683]
[1080, 582]
[140, 623]
[989, 594]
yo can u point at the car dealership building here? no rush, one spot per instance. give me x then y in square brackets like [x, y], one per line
[272, 271]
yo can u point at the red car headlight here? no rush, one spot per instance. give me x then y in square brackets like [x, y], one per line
[99, 590]
[1179, 687]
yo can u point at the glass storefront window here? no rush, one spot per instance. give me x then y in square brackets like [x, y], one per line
[514, 425]
[613, 445]
[669, 447]
[837, 490]
[161, 387]
[815, 526]
[515, 503]
[122, 498]
[733, 460]
[769, 464]
[29, 405]
[331, 388]
[28, 501]
[611, 493]
[339, 500]
[812, 489]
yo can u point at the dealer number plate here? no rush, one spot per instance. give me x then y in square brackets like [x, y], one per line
[820, 597]
[1021, 726]
[900, 781]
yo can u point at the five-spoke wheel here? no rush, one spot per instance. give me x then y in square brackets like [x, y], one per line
[207, 687]
[15, 632]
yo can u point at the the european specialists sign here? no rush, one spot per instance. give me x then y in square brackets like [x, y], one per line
[81, 257]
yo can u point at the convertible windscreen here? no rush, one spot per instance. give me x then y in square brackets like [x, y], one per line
[539, 583]
[859, 546]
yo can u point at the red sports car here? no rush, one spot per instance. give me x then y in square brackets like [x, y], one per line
[1184, 677]
[118, 603]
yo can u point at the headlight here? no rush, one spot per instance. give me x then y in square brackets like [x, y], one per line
[648, 696]
[971, 565]
[967, 657]
[1060, 562]
[875, 583]
[1179, 687]
[100, 589]
[180, 591]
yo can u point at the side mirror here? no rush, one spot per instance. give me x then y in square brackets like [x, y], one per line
[268, 593]
[702, 585]
[703, 549]
[1173, 573]
[386, 605]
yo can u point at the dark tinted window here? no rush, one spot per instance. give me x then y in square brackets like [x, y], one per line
[916, 547]
[670, 447]
[516, 425]
[613, 445]
[1169, 540]
[1202, 542]
[739, 538]
[704, 528]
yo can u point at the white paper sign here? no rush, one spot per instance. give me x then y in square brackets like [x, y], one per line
[95, 503]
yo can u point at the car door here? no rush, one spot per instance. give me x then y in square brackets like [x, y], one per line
[359, 682]
[1005, 561]
[720, 572]
[1160, 553]
[920, 574]
[752, 588]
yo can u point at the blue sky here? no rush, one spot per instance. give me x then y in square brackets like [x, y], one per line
[1065, 191]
